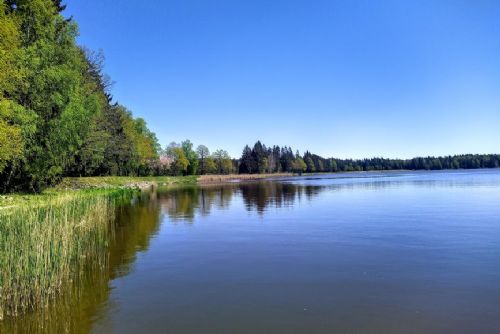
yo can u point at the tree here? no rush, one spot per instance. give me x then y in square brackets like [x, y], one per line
[210, 165]
[286, 159]
[223, 162]
[192, 157]
[310, 165]
[274, 163]
[246, 161]
[298, 165]
[320, 167]
[119, 154]
[52, 68]
[17, 124]
[59, 7]
[180, 162]
[227, 166]
[146, 146]
[56, 113]
[11, 137]
[259, 155]
[333, 166]
[203, 154]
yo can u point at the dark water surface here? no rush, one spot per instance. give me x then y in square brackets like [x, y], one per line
[396, 252]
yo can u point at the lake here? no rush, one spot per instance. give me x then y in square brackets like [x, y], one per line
[373, 252]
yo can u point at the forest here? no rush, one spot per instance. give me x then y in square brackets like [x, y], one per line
[58, 118]
[262, 159]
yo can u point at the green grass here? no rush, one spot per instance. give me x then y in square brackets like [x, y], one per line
[98, 183]
[124, 181]
[46, 240]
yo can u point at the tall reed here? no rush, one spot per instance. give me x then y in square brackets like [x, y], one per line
[46, 244]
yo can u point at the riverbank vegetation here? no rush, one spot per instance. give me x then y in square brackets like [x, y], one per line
[47, 241]
[108, 182]
[204, 179]
[73, 310]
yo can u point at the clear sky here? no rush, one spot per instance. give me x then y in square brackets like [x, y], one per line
[340, 78]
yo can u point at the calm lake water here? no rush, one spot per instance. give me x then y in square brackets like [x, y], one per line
[395, 252]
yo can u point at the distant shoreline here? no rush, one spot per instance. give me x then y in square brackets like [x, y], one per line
[143, 182]
[72, 184]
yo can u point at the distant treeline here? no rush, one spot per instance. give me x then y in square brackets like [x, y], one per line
[183, 159]
[262, 159]
[56, 113]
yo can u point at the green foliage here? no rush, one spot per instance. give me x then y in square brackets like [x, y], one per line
[56, 117]
[247, 163]
[310, 165]
[203, 154]
[16, 123]
[299, 165]
[223, 162]
[191, 156]
[210, 166]
[260, 159]
[180, 162]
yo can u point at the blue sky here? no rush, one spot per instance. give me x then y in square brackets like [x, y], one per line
[348, 79]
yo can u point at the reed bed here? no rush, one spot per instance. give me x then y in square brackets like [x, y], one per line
[46, 243]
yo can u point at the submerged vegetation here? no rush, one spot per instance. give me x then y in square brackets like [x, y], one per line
[46, 242]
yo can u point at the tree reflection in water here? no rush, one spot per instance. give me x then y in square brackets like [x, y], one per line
[136, 223]
[184, 204]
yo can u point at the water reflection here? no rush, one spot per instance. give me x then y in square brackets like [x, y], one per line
[185, 203]
[135, 225]
[76, 310]
[259, 255]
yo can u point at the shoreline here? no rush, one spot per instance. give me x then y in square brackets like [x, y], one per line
[110, 183]
[211, 179]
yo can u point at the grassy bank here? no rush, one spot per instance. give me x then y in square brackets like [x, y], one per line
[141, 182]
[75, 184]
[124, 181]
[46, 241]
[70, 184]
[203, 179]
